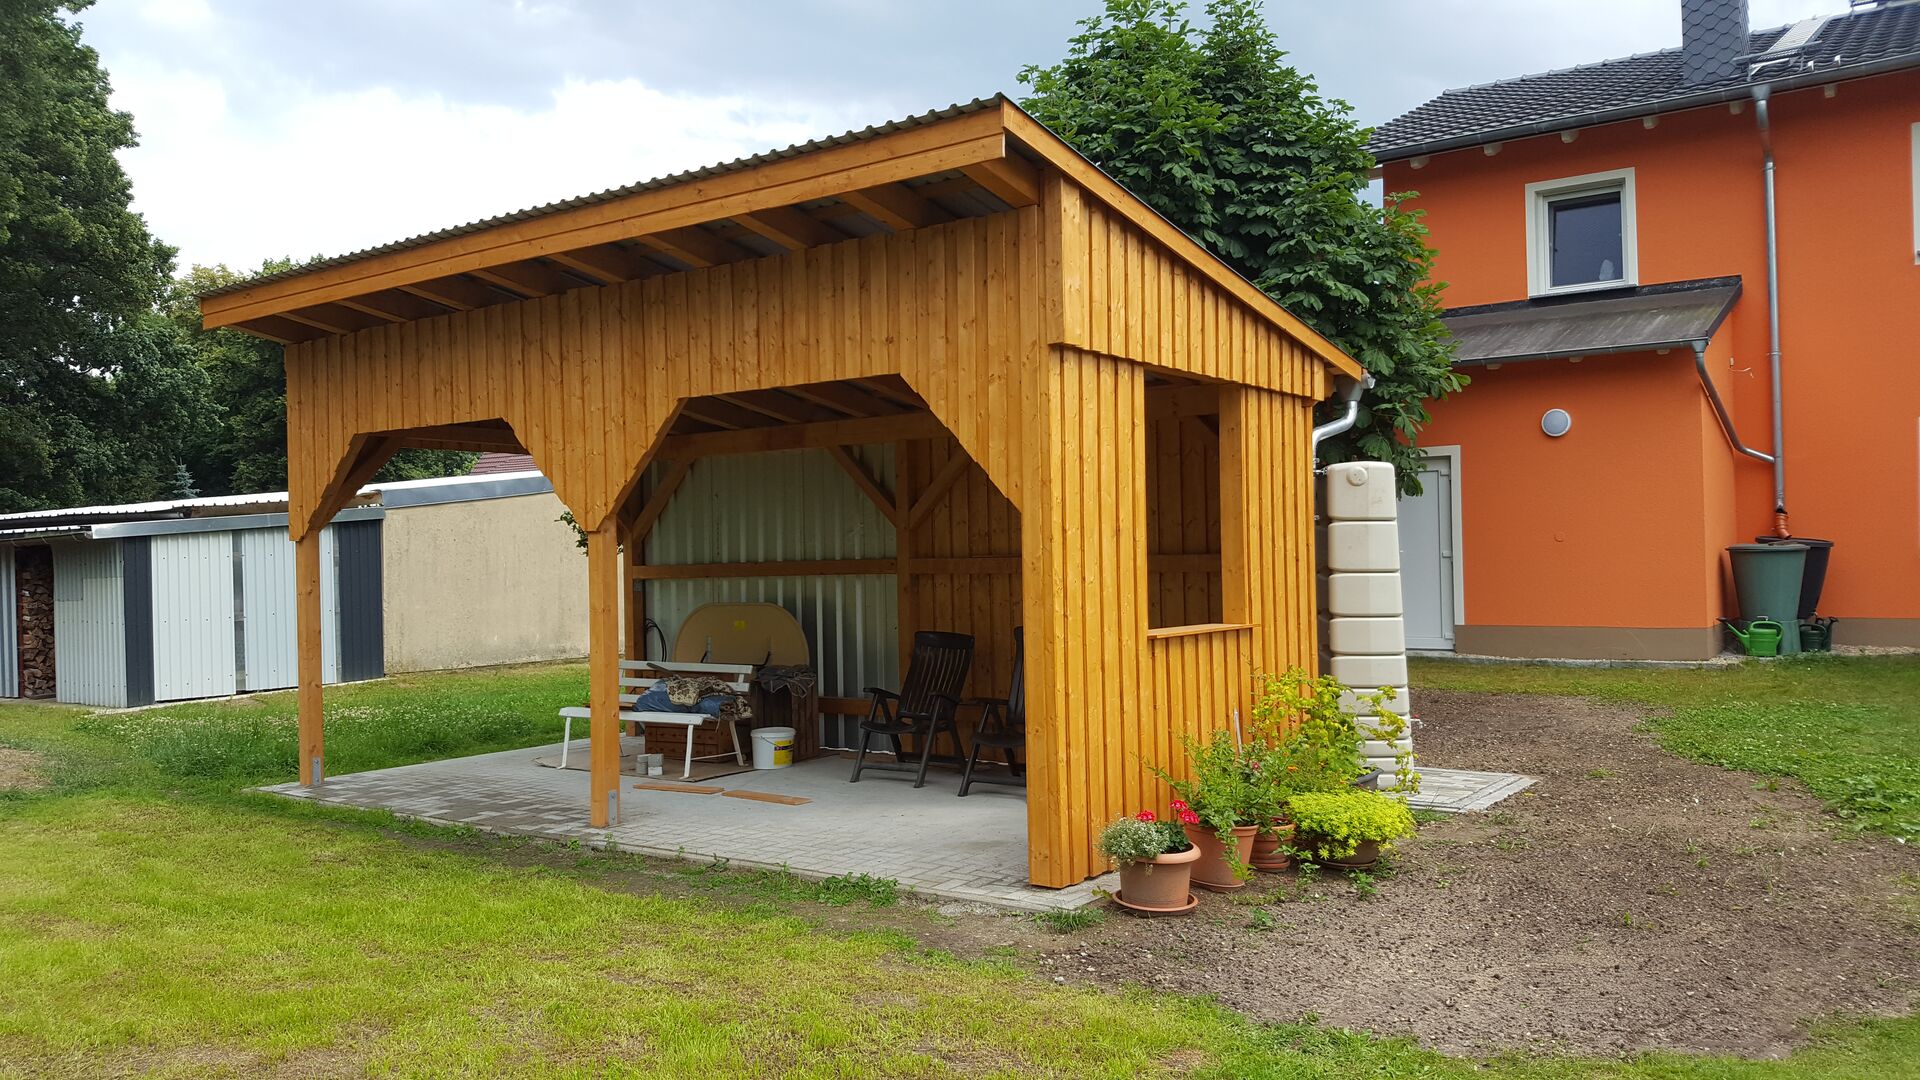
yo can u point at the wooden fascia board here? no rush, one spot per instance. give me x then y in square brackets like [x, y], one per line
[1071, 164]
[883, 159]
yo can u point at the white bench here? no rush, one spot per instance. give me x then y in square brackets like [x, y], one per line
[737, 677]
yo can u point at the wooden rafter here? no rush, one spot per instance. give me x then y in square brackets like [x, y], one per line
[458, 293]
[864, 480]
[894, 389]
[723, 413]
[897, 207]
[335, 319]
[844, 397]
[781, 406]
[796, 568]
[608, 264]
[528, 278]
[656, 504]
[281, 330]
[394, 305]
[930, 496]
[919, 425]
[484, 437]
[1012, 179]
[696, 247]
[790, 227]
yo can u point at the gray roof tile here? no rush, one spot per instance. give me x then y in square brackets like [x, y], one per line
[1859, 43]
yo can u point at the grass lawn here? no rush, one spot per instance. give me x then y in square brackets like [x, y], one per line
[155, 919]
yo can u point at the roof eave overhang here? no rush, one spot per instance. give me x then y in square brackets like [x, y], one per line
[1594, 118]
[1569, 354]
[975, 138]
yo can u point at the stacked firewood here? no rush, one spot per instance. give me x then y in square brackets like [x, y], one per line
[34, 578]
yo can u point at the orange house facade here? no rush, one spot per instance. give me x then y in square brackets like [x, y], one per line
[1604, 236]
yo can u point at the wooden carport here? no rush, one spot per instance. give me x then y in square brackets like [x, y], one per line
[963, 282]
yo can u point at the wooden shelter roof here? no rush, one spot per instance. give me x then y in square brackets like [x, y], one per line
[972, 160]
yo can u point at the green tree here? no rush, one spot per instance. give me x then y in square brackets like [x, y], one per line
[1215, 131]
[87, 374]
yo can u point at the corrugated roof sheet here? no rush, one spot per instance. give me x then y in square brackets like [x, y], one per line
[1867, 40]
[736, 165]
[1633, 320]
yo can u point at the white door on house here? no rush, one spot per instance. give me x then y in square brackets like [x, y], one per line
[1427, 530]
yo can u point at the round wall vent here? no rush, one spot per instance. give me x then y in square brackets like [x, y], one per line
[1556, 422]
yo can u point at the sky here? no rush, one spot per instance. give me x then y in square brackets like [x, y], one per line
[271, 129]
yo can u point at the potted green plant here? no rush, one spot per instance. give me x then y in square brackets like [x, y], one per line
[1305, 742]
[1347, 828]
[1156, 863]
[1225, 796]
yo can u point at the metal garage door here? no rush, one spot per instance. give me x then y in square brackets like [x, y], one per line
[193, 616]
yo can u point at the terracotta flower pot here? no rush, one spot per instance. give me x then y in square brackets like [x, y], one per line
[1365, 853]
[1165, 884]
[1212, 871]
[1269, 849]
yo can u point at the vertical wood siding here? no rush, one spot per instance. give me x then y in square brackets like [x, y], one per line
[1183, 518]
[89, 624]
[589, 378]
[1125, 295]
[972, 519]
[1030, 334]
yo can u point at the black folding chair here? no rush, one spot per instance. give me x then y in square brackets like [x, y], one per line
[923, 708]
[1003, 726]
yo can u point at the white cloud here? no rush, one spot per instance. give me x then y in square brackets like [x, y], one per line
[335, 172]
[180, 13]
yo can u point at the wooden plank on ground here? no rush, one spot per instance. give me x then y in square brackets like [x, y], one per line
[767, 796]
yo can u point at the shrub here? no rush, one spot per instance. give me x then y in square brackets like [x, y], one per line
[1141, 838]
[1315, 744]
[1332, 824]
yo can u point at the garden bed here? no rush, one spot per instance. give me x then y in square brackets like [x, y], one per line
[1632, 900]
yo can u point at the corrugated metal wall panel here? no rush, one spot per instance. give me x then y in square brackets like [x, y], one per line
[329, 607]
[795, 504]
[193, 632]
[89, 624]
[362, 641]
[9, 628]
[267, 609]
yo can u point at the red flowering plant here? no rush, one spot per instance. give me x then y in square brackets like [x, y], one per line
[1144, 837]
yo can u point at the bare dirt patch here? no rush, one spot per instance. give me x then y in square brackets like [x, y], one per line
[1631, 900]
[20, 770]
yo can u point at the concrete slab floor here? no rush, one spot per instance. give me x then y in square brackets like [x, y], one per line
[932, 842]
[929, 840]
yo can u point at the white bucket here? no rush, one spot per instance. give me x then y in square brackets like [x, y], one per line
[772, 747]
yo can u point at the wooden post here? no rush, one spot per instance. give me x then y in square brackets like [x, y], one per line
[306, 562]
[603, 670]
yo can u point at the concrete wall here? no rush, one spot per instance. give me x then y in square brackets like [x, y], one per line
[493, 581]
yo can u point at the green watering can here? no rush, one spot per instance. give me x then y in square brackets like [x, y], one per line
[1816, 635]
[1760, 638]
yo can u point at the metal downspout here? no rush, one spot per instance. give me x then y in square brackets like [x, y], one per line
[1351, 395]
[1761, 117]
[1720, 408]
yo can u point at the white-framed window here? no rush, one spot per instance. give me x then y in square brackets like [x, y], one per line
[1580, 234]
[1916, 194]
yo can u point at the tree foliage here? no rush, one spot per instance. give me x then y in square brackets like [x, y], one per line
[108, 386]
[94, 390]
[1215, 131]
